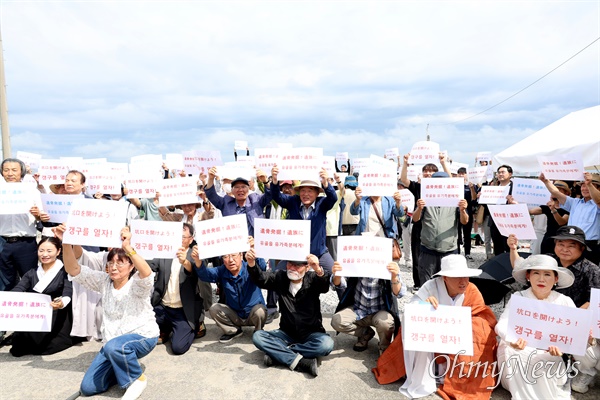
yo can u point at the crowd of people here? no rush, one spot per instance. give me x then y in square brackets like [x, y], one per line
[133, 304]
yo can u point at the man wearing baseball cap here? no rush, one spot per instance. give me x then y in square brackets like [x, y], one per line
[241, 201]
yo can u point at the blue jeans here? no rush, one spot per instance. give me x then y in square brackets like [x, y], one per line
[283, 349]
[117, 363]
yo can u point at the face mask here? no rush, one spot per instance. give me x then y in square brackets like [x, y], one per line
[226, 187]
[295, 275]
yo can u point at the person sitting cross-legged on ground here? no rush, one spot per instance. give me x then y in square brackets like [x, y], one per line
[244, 302]
[301, 337]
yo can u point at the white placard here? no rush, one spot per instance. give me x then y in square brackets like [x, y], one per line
[413, 172]
[455, 166]
[408, 200]
[52, 172]
[174, 161]
[364, 256]
[341, 157]
[18, 198]
[190, 162]
[248, 161]
[543, 324]
[378, 180]
[220, 236]
[477, 175]
[30, 159]
[177, 191]
[359, 163]
[57, 206]
[392, 153]
[493, 194]
[207, 159]
[530, 191]
[329, 165]
[483, 156]
[302, 163]
[266, 158]
[93, 164]
[424, 153]
[284, 239]
[146, 163]
[73, 162]
[513, 218]
[156, 239]
[142, 185]
[121, 169]
[240, 144]
[442, 192]
[567, 167]
[447, 330]
[103, 181]
[95, 222]
[595, 307]
[25, 312]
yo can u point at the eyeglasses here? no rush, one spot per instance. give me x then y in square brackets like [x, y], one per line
[118, 264]
[230, 256]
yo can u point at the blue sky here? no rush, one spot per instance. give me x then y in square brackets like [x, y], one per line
[118, 79]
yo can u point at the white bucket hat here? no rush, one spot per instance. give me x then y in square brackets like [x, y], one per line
[455, 266]
[546, 263]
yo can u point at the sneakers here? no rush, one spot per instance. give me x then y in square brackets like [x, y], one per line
[135, 389]
[308, 365]
[468, 257]
[582, 382]
[268, 361]
[415, 289]
[272, 317]
[229, 336]
[363, 342]
[201, 331]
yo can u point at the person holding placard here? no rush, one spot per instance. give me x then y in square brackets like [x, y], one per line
[450, 287]
[504, 175]
[439, 233]
[244, 302]
[49, 278]
[241, 201]
[583, 212]
[301, 337]
[129, 328]
[569, 247]
[177, 306]
[527, 372]
[308, 205]
[415, 188]
[464, 231]
[18, 231]
[366, 303]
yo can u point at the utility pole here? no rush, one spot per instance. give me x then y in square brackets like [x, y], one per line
[3, 107]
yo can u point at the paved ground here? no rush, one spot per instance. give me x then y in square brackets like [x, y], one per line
[211, 370]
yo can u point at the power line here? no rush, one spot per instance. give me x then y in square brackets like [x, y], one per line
[525, 88]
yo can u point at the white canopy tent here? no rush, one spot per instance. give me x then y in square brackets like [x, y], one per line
[578, 132]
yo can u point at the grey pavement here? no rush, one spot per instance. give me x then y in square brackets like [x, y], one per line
[212, 370]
